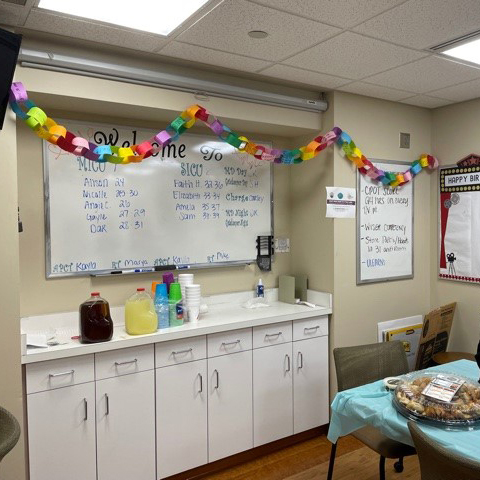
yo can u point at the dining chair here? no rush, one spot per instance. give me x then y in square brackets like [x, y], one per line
[9, 432]
[364, 364]
[438, 463]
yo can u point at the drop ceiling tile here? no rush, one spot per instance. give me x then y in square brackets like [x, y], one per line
[459, 93]
[425, 75]
[424, 23]
[342, 13]
[353, 56]
[426, 101]
[213, 57]
[226, 28]
[304, 76]
[95, 32]
[376, 91]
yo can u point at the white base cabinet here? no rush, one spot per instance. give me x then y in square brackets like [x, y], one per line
[61, 433]
[181, 395]
[146, 413]
[272, 393]
[230, 412]
[310, 383]
[125, 427]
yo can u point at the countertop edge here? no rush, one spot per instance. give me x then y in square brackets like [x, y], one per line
[187, 331]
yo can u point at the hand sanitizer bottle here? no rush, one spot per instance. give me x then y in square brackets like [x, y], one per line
[260, 291]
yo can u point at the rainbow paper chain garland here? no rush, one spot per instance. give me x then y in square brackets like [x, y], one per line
[49, 130]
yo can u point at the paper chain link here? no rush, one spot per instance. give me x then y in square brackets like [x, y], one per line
[49, 130]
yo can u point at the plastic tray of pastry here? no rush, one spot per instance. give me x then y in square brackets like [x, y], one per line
[413, 398]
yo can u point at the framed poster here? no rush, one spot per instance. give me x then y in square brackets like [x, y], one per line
[459, 224]
[384, 228]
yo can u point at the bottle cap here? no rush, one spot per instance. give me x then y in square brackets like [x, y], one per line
[140, 289]
[95, 294]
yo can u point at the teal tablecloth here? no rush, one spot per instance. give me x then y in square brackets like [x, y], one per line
[372, 405]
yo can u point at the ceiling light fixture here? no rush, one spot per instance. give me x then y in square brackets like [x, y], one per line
[154, 16]
[258, 34]
[468, 51]
[466, 48]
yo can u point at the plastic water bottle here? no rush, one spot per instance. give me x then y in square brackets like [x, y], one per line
[161, 305]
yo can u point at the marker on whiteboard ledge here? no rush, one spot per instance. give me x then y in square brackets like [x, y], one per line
[182, 267]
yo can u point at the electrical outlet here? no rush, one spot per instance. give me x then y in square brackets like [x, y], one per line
[282, 245]
[404, 140]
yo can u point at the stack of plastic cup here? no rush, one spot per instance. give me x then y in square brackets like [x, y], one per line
[192, 301]
[185, 279]
[175, 307]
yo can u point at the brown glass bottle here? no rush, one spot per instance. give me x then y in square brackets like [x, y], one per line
[96, 325]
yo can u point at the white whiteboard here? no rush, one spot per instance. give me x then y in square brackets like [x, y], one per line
[384, 228]
[198, 202]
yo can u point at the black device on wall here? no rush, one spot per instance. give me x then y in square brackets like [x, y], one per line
[9, 48]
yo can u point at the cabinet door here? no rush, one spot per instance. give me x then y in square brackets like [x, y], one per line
[126, 427]
[61, 433]
[310, 383]
[230, 409]
[272, 393]
[181, 417]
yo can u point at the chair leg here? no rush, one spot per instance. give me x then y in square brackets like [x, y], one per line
[333, 452]
[398, 466]
[381, 467]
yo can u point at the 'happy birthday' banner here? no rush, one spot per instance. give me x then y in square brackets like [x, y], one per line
[49, 130]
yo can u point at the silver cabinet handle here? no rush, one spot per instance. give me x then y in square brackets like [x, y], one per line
[300, 360]
[217, 377]
[182, 351]
[117, 364]
[276, 335]
[201, 383]
[107, 404]
[85, 406]
[287, 356]
[52, 375]
[226, 344]
[311, 329]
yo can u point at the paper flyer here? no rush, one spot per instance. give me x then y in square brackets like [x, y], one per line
[341, 202]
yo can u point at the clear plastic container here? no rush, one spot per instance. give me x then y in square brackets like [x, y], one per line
[95, 323]
[417, 398]
[140, 316]
[161, 305]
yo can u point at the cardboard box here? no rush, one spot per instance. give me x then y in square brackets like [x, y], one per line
[435, 334]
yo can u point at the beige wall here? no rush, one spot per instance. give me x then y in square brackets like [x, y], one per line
[326, 248]
[311, 232]
[455, 134]
[101, 97]
[12, 467]
[375, 126]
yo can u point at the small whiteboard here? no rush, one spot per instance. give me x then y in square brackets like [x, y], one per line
[384, 228]
[198, 202]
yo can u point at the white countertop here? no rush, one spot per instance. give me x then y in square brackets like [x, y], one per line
[225, 312]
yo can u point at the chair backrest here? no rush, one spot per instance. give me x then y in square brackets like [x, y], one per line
[363, 364]
[438, 463]
[9, 432]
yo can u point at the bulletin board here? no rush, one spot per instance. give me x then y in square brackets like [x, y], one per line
[384, 228]
[459, 224]
[198, 203]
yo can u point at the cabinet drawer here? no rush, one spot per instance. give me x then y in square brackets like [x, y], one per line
[180, 351]
[63, 372]
[124, 361]
[311, 327]
[266, 335]
[223, 343]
